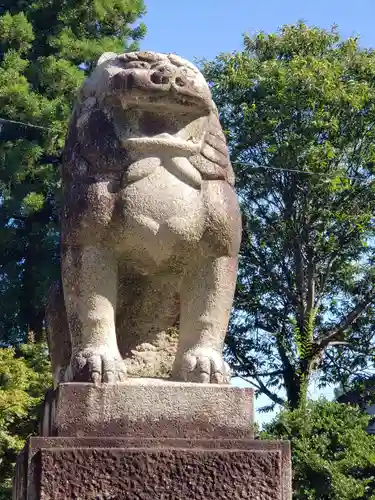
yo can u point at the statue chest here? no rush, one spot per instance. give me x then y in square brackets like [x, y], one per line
[159, 213]
[162, 195]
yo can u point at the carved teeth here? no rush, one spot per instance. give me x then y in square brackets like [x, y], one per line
[165, 140]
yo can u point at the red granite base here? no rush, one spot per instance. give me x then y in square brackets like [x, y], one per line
[59, 468]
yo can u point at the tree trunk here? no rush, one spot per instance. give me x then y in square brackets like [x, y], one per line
[296, 386]
[31, 308]
[36, 325]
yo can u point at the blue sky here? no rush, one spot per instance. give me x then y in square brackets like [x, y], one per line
[204, 28]
[197, 29]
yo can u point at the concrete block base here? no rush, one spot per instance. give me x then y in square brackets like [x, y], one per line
[149, 408]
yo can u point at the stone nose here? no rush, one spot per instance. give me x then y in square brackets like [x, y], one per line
[166, 76]
[160, 77]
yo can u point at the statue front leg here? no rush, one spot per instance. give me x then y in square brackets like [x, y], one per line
[89, 275]
[206, 301]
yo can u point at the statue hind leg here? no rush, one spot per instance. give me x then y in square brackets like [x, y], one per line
[58, 336]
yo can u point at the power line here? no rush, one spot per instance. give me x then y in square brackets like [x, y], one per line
[263, 167]
[307, 172]
[30, 125]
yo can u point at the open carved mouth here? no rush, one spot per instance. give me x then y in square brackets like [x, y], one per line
[165, 140]
[162, 102]
[162, 127]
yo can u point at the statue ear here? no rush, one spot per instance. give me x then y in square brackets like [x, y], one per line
[107, 56]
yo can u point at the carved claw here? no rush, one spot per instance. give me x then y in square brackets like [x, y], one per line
[205, 365]
[97, 365]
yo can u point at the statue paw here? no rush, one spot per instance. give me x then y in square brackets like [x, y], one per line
[97, 365]
[205, 365]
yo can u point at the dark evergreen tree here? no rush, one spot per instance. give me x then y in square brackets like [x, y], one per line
[46, 49]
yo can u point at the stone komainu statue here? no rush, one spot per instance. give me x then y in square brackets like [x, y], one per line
[150, 226]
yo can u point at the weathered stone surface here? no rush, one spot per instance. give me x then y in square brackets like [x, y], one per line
[150, 235]
[154, 408]
[156, 359]
[173, 469]
[174, 474]
[150, 226]
[20, 480]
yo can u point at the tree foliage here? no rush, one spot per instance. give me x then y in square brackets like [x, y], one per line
[46, 49]
[361, 392]
[25, 375]
[333, 456]
[298, 107]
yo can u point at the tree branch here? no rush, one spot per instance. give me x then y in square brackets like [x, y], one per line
[323, 280]
[262, 326]
[273, 397]
[247, 380]
[261, 387]
[310, 285]
[337, 334]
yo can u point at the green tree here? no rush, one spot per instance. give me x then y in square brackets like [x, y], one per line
[25, 375]
[298, 108]
[46, 49]
[333, 457]
[361, 392]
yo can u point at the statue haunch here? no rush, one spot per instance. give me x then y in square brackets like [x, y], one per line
[150, 226]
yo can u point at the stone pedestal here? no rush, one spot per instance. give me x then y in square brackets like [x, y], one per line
[148, 439]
